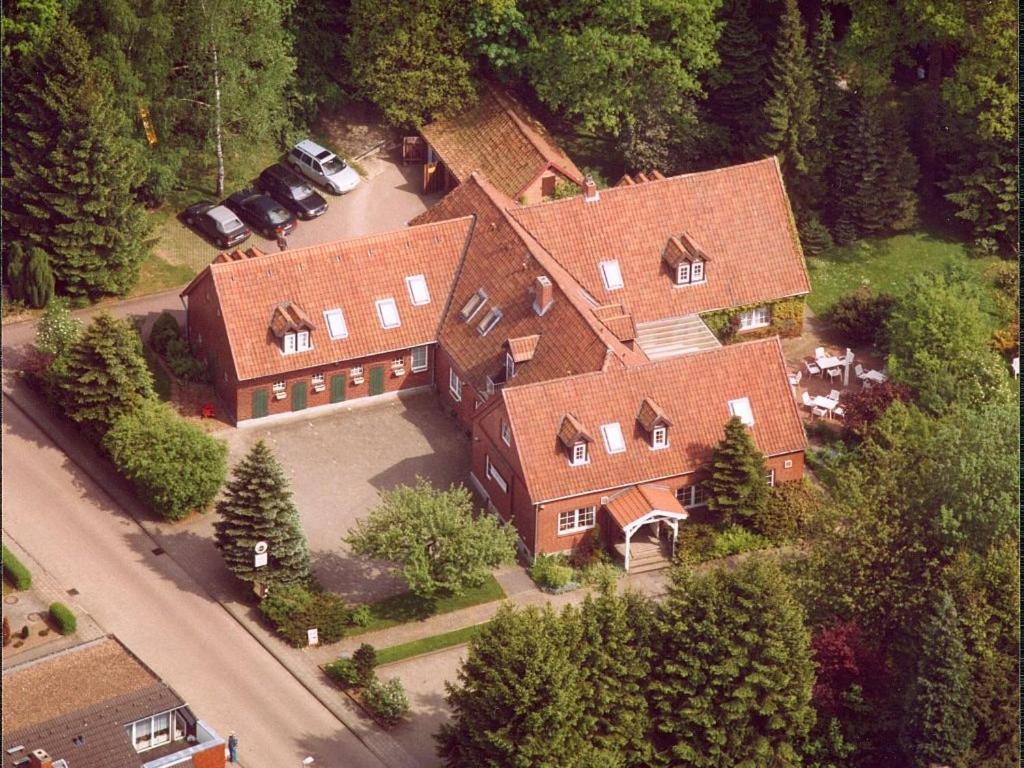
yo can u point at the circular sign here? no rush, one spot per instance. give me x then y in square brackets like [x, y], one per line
[261, 547]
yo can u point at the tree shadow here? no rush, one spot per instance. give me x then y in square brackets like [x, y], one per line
[356, 579]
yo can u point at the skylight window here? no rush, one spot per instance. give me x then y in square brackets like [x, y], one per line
[611, 275]
[490, 320]
[741, 408]
[473, 305]
[613, 440]
[387, 311]
[336, 327]
[418, 293]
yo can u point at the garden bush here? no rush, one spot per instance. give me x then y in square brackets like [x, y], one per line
[19, 575]
[551, 572]
[165, 330]
[362, 616]
[865, 406]
[735, 539]
[294, 609]
[694, 543]
[166, 340]
[64, 618]
[365, 659]
[344, 672]
[176, 467]
[387, 701]
[791, 510]
[860, 317]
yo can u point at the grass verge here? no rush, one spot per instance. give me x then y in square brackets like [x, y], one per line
[427, 644]
[159, 275]
[406, 607]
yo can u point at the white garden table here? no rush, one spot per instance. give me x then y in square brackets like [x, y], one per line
[825, 402]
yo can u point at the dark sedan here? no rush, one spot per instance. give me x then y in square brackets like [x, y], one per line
[216, 222]
[292, 191]
[262, 213]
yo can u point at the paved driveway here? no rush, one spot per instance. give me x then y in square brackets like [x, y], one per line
[339, 462]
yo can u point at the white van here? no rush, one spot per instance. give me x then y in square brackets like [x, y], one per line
[323, 166]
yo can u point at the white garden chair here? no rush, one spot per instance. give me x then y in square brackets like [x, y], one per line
[1016, 367]
[794, 378]
[833, 373]
[812, 369]
[819, 352]
[834, 395]
[821, 413]
[806, 399]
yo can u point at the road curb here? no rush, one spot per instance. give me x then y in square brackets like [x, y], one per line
[394, 755]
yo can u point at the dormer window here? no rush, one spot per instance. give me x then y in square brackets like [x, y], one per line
[697, 272]
[289, 343]
[575, 440]
[296, 342]
[683, 274]
[611, 275]
[659, 438]
[685, 258]
[579, 454]
[689, 272]
[473, 305]
[490, 320]
[302, 341]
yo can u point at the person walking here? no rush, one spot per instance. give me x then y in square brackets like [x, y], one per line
[282, 244]
[232, 748]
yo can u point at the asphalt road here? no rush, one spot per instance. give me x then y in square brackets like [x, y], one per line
[163, 615]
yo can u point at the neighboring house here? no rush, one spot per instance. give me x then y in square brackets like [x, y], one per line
[300, 328]
[96, 705]
[498, 138]
[625, 450]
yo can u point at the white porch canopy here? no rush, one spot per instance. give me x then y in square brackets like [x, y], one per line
[635, 507]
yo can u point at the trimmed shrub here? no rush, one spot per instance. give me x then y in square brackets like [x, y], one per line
[344, 672]
[791, 510]
[64, 618]
[182, 364]
[860, 317]
[176, 467]
[551, 572]
[294, 609]
[695, 541]
[19, 575]
[387, 701]
[362, 616]
[165, 329]
[365, 659]
[735, 539]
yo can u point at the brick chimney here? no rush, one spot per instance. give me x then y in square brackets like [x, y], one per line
[543, 294]
[590, 193]
[38, 758]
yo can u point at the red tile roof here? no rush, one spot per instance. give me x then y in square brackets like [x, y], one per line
[739, 215]
[694, 391]
[632, 504]
[499, 138]
[350, 275]
[523, 347]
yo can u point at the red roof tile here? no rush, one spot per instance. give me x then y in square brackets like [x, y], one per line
[632, 504]
[523, 347]
[740, 216]
[694, 391]
[499, 138]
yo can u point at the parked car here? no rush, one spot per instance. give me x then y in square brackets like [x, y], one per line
[216, 222]
[292, 191]
[262, 212]
[324, 167]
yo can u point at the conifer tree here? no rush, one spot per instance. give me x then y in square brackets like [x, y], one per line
[829, 103]
[70, 190]
[737, 487]
[257, 506]
[37, 282]
[105, 375]
[939, 727]
[732, 681]
[790, 106]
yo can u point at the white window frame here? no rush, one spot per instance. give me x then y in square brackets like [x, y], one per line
[576, 520]
[491, 319]
[741, 407]
[398, 362]
[288, 345]
[510, 366]
[318, 380]
[171, 715]
[611, 274]
[417, 284]
[683, 273]
[495, 475]
[339, 330]
[473, 305]
[424, 365]
[279, 387]
[697, 271]
[770, 477]
[692, 496]
[758, 317]
[614, 440]
[454, 385]
[506, 433]
[580, 454]
[383, 307]
[659, 437]
[302, 341]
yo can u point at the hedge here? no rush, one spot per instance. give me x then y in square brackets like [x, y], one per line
[166, 340]
[19, 575]
[65, 619]
[293, 609]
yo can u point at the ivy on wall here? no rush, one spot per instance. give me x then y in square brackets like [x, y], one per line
[787, 321]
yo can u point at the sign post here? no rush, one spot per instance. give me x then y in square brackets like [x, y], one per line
[312, 637]
[260, 557]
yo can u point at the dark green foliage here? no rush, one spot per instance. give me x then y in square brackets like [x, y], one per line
[165, 337]
[105, 375]
[551, 572]
[365, 659]
[732, 682]
[257, 506]
[63, 618]
[983, 188]
[176, 467]
[737, 488]
[860, 317]
[344, 673]
[29, 275]
[793, 509]
[865, 406]
[19, 575]
[165, 329]
[939, 727]
[295, 608]
[814, 236]
[28, 26]
[319, 30]
[72, 177]
[828, 106]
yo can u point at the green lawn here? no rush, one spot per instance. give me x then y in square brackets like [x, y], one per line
[406, 607]
[887, 264]
[427, 644]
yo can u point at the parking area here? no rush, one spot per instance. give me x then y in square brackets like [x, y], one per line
[338, 463]
[388, 197]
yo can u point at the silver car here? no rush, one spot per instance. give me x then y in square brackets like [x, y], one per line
[324, 167]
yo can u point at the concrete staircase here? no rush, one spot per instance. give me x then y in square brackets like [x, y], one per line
[646, 554]
[674, 336]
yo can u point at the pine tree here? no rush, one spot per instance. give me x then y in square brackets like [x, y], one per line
[15, 264]
[737, 487]
[732, 677]
[37, 282]
[736, 86]
[829, 103]
[257, 506]
[939, 726]
[105, 375]
[72, 173]
[789, 110]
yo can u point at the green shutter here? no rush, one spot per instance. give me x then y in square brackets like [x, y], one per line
[259, 403]
[338, 384]
[298, 395]
[376, 381]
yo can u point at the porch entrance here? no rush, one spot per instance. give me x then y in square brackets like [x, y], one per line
[648, 517]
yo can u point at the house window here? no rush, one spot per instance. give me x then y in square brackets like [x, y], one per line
[398, 362]
[473, 305]
[490, 320]
[758, 317]
[572, 520]
[454, 384]
[613, 440]
[683, 274]
[279, 390]
[770, 477]
[510, 366]
[659, 437]
[697, 272]
[788, 464]
[418, 293]
[692, 496]
[289, 343]
[579, 454]
[387, 312]
[302, 340]
[495, 475]
[506, 433]
[317, 381]
[336, 327]
[420, 359]
[611, 275]
[150, 732]
[741, 407]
